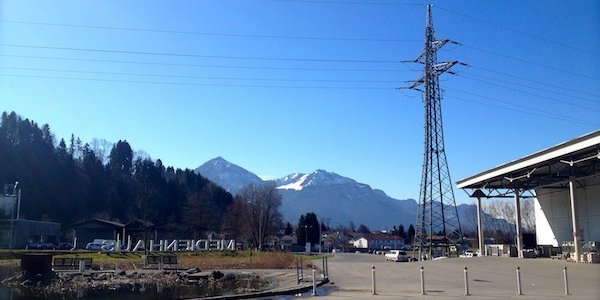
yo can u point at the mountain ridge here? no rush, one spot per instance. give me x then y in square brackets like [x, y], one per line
[333, 197]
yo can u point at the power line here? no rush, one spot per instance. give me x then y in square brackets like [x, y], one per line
[533, 94]
[197, 55]
[535, 111]
[517, 31]
[270, 58]
[202, 65]
[196, 77]
[536, 81]
[197, 84]
[529, 112]
[530, 62]
[350, 2]
[242, 35]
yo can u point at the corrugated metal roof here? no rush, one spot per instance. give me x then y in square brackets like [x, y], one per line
[579, 157]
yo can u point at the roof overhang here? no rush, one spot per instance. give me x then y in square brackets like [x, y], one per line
[578, 158]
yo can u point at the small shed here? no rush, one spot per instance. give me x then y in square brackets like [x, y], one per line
[87, 231]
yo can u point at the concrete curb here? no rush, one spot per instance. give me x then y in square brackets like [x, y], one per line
[300, 289]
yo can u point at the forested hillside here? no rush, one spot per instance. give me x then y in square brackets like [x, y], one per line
[69, 182]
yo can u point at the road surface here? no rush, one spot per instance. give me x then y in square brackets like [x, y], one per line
[488, 277]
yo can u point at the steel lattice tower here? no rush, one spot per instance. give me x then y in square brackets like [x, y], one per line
[438, 225]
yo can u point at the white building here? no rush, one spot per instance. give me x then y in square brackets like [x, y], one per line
[360, 242]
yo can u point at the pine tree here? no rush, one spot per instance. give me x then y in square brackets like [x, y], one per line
[410, 235]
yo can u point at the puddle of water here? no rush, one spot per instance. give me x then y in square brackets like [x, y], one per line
[321, 291]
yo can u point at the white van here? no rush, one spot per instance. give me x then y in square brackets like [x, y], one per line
[397, 255]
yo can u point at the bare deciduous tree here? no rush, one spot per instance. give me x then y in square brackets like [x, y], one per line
[255, 213]
[101, 148]
[235, 225]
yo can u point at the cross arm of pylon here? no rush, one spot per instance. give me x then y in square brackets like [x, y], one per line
[444, 66]
[437, 44]
[414, 85]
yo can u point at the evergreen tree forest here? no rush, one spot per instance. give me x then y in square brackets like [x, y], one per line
[68, 182]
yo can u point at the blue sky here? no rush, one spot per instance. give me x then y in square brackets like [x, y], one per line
[279, 87]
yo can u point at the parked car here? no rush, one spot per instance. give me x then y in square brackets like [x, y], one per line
[101, 245]
[529, 253]
[94, 246]
[397, 255]
[64, 246]
[40, 246]
[468, 254]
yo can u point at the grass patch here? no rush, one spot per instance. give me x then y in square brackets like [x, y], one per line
[237, 260]
[208, 260]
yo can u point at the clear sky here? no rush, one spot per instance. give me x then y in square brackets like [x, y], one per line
[279, 87]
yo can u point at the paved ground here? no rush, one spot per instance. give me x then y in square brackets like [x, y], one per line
[488, 277]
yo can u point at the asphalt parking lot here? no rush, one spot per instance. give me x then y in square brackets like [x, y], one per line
[488, 277]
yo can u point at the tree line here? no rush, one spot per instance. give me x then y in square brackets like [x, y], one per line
[71, 181]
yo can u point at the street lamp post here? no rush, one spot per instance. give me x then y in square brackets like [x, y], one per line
[320, 237]
[306, 238]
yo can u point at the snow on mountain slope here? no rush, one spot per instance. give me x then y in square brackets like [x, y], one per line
[297, 181]
[291, 182]
[341, 200]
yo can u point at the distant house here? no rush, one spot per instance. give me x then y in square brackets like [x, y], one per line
[360, 242]
[286, 242]
[134, 230]
[382, 241]
[87, 231]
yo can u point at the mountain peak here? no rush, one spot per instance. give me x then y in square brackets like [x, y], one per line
[219, 161]
[228, 175]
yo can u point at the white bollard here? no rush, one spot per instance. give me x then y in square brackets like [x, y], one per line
[81, 266]
[422, 281]
[373, 291]
[566, 281]
[519, 281]
[466, 283]
[298, 270]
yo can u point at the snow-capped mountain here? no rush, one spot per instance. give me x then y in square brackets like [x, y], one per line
[298, 181]
[342, 200]
[229, 176]
[337, 199]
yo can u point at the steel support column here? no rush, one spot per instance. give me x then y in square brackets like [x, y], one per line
[518, 223]
[480, 229]
[574, 219]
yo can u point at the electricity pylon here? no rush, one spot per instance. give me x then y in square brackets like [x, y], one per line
[438, 225]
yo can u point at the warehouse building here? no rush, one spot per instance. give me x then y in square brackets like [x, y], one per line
[563, 180]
